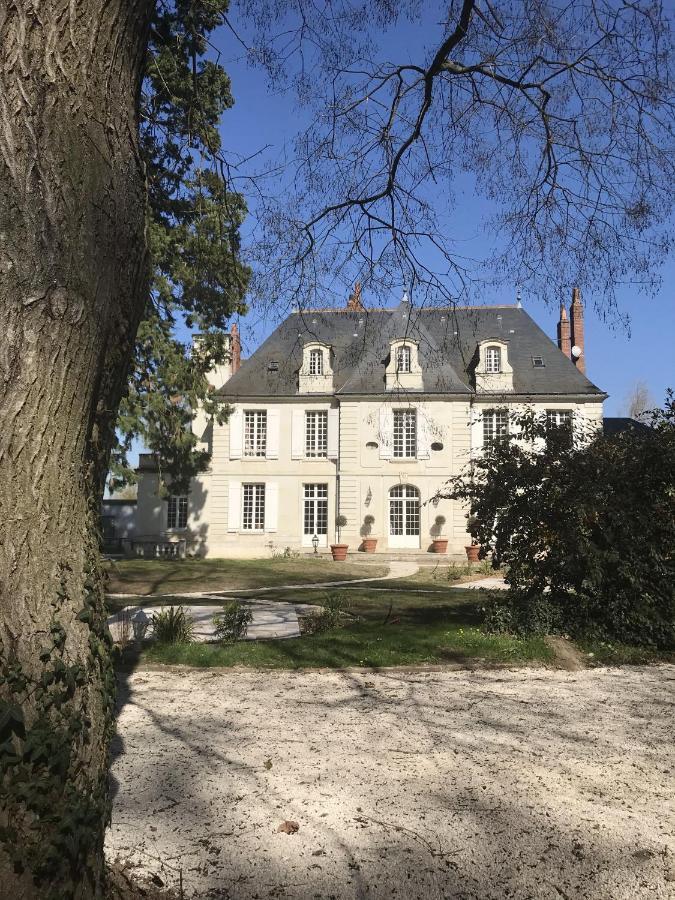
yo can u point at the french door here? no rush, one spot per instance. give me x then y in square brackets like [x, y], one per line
[404, 516]
[315, 514]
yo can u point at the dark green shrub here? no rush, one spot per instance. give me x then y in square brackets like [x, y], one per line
[232, 624]
[330, 615]
[585, 527]
[173, 626]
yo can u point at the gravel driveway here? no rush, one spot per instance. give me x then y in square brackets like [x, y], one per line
[523, 783]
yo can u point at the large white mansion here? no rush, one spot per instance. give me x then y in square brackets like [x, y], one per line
[365, 414]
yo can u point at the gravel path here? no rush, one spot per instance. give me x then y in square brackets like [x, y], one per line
[524, 783]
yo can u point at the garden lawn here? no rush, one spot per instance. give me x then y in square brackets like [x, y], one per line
[418, 630]
[144, 577]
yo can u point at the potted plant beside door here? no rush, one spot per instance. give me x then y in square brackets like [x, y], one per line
[339, 550]
[439, 543]
[368, 544]
[473, 549]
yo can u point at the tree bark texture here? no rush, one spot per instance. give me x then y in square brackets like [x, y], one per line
[73, 282]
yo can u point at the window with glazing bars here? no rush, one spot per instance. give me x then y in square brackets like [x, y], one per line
[405, 433]
[404, 510]
[316, 433]
[560, 418]
[495, 426]
[255, 432]
[176, 516]
[403, 359]
[316, 362]
[493, 360]
[253, 507]
[315, 517]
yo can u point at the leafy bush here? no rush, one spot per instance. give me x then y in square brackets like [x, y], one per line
[232, 624]
[173, 626]
[330, 615]
[586, 528]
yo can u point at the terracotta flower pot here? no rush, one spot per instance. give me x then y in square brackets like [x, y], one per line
[439, 545]
[339, 552]
[369, 545]
[472, 552]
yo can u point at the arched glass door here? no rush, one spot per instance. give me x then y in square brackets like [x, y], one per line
[404, 516]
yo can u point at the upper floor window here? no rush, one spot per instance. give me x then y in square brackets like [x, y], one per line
[403, 359]
[316, 433]
[405, 433]
[316, 362]
[495, 426]
[562, 419]
[255, 432]
[176, 513]
[493, 359]
[253, 507]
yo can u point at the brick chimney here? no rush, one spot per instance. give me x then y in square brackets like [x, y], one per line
[564, 339]
[236, 347]
[577, 322]
[354, 303]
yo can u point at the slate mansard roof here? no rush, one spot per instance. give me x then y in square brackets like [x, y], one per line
[447, 339]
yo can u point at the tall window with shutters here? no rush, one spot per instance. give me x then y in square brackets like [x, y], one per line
[177, 512]
[405, 434]
[253, 507]
[255, 432]
[316, 433]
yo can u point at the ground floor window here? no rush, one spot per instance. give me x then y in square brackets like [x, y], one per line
[253, 507]
[404, 511]
[176, 514]
[315, 514]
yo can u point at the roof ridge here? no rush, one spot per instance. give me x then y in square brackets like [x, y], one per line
[391, 309]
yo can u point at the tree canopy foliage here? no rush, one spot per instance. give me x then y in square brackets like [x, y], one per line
[586, 529]
[194, 218]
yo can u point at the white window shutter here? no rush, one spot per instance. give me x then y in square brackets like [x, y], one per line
[272, 434]
[298, 434]
[476, 432]
[236, 433]
[271, 505]
[423, 436]
[333, 433]
[386, 432]
[234, 506]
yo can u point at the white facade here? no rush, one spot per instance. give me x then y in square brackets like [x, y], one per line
[274, 484]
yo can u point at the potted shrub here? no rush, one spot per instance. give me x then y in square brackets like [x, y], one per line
[473, 549]
[369, 544]
[439, 543]
[339, 550]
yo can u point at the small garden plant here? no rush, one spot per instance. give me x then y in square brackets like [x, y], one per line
[173, 626]
[232, 624]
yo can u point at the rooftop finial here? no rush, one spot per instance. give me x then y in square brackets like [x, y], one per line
[519, 304]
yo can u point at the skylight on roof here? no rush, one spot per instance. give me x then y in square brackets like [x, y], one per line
[538, 362]
[273, 366]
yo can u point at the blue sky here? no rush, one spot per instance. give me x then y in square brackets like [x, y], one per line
[616, 357]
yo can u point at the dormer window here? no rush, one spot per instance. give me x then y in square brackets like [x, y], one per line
[403, 359]
[316, 362]
[493, 360]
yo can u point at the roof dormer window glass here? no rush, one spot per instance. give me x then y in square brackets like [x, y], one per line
[493, 360]
[316, 362]
[403, 359]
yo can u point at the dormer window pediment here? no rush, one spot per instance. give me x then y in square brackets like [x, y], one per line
[316, 372]
[403, 370]
[493, 371]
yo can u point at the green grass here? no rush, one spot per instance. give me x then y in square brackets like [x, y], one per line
[419, 631]
[145, 577]
[614, 653]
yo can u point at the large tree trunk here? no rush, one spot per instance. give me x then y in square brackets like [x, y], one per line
[73, 280]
